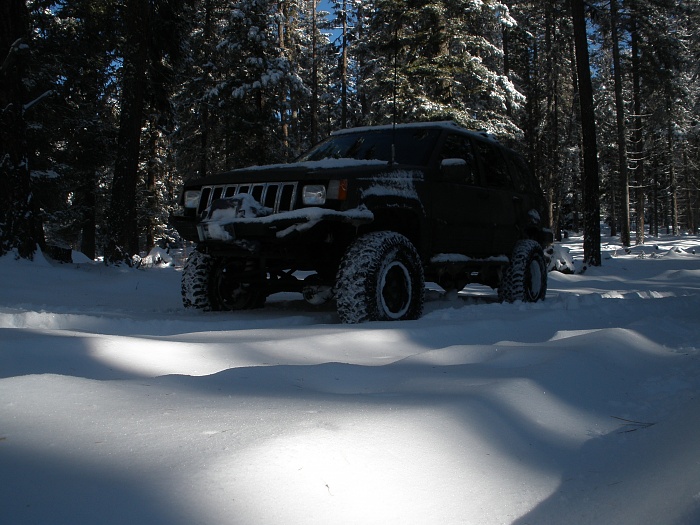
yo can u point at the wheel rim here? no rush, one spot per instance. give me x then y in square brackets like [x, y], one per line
[535, 285]
[229, 291]
[395, 290]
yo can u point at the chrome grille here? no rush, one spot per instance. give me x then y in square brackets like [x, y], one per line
[280, 196]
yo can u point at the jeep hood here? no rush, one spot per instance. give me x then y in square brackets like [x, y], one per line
[296, 171]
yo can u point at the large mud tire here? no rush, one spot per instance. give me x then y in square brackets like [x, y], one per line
[525, 278]
[219, 284]
[195, 281]
[380, 279]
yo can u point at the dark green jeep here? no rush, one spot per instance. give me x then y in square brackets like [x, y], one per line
[368, 216]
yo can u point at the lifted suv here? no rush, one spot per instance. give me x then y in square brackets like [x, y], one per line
[368, 216]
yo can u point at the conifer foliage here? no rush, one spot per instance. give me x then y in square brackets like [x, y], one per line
[441, 59]
[17, 219]
[106, 106]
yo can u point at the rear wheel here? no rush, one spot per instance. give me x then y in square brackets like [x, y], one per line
[525, 278]
[380, 279]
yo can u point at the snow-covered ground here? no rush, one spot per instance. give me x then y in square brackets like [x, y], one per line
[119, 406]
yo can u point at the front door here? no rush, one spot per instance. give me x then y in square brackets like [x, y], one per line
[460, 204]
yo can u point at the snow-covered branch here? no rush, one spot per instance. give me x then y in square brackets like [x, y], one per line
[17, 47]
[41, 97]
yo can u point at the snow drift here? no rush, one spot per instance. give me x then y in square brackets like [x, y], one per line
[119, 406]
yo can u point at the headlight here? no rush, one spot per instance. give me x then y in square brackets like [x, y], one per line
[192, 198]
[314, 195]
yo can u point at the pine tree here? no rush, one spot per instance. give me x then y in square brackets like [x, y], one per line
[18, 228]
[542, 66]
[72, 135]
[621, 126]
[151, 37]
[439, 59]
[664, 65]
[591, 197]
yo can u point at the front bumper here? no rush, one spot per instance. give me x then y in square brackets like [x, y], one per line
[224, 226]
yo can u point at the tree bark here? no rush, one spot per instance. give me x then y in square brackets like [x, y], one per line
[638, 136]
[314, 72]
[344, 68]
[124, 241]
[591, 184]
[621, 129]
[672, 178]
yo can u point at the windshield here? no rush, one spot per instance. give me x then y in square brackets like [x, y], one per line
[413, 146]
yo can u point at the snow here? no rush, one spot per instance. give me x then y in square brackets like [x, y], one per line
[445, 124]
[397, 183]
[214, 227]
[323, 164]
[119, 406]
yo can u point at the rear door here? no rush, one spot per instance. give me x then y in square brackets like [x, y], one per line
[505, 196]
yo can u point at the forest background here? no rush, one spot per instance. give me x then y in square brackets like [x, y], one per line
[107, 106]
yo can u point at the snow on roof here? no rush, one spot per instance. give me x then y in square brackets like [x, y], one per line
[443, 124]
[446, 124]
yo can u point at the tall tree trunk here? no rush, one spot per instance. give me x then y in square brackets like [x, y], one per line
[124, 241]
[621, 129]
[654, 226]
[314, 73]
[88, 223]
[591, 184]
[18, 221]
[673, 183]
[151, 187]
[360, 35]
[205, 124]
[690, 220]
[344, 68]
[551, 145]
[638, 136]
[282, 28]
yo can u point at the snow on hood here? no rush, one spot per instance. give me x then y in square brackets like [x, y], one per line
[323, 164]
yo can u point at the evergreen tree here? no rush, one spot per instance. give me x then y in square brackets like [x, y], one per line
[72, 137]
[18, 225]
[591, 197]
[621, 125]
[439, 59]
[664, 34]
[151, 38]
[542, 66]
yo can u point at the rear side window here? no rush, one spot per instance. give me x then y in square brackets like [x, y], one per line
[494, 164]
[523, 177]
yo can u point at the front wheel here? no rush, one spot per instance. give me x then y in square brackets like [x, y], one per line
[380, 279]
[218, 283]
[525, 278]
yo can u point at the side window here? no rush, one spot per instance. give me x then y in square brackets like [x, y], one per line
[456, 148]
[494, 165]
[523, 177]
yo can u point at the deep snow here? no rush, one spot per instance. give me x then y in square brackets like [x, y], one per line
[119, 406]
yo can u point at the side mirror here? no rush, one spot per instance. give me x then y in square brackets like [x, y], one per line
[455, 170]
